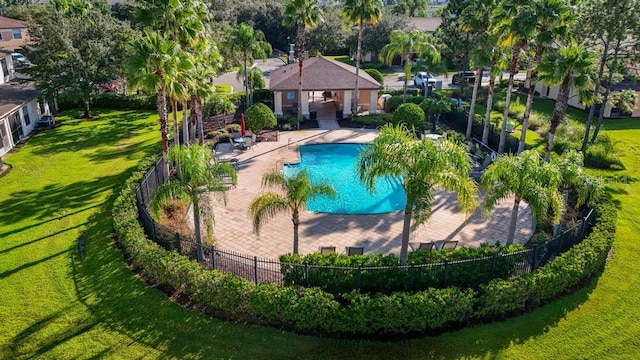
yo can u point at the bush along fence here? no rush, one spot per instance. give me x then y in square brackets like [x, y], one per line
[313, 310]
[375, 273]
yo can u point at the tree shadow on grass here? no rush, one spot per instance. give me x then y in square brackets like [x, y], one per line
[118, 300]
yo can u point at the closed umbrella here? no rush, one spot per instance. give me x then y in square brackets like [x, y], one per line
[243, 129]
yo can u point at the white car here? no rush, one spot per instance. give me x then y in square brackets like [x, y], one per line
[20, 60]
[423, 78]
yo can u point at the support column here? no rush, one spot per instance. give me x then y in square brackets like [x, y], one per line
[347, 103]
[277, 103]
[305, 103]
[373, 102]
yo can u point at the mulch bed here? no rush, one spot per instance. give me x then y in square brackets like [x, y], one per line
[348, 123]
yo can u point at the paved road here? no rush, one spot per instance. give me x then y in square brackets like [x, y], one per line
[230, 78]
[396, 81]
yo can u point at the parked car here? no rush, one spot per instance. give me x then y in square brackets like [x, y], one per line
[46, 122]
[468, 77]
[20, 60]
[422, 78]
[458, 103]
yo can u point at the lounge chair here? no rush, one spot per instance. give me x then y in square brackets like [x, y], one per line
[449, 245]
[476, 172]
[428, 246]
[354, 250]
[326, 250]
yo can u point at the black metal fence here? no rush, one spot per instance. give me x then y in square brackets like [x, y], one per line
[461, 273]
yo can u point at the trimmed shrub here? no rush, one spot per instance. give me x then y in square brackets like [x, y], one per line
[259, 116]
[411, 115]
[233, 128]
[377, 75]
[377, 66]
[109, 100]
[375, 120]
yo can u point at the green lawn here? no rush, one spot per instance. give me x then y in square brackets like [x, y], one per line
[55, 304]
[224, 88]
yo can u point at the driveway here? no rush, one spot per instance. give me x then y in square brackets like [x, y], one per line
[396, 81]
[267, 66]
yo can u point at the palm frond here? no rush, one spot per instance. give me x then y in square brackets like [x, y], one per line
[266, 206]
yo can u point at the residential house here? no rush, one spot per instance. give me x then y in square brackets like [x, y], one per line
[13, 34]
[19, 106]
[551, 92]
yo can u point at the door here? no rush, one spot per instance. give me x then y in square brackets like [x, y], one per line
[16, 127]
[5, 143]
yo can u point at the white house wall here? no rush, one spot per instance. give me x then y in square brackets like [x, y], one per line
[32, 109]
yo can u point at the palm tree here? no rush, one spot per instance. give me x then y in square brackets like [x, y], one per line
[195, 179]
[206, 62]
[434, 108]
[524, 177]
[294, 194]
[553, 20]
[360, 12]
[249, 44]
[588, 189]
[516, 22]
[303, 14]
[176, 91]
[404, 44]
[497, 60]
[476, 19]
[183, 20]
[422, 167]
[572, 67]
[153, 62]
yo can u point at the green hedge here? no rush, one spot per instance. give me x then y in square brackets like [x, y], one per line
[339, 274]
[112, 101]
[311, 309]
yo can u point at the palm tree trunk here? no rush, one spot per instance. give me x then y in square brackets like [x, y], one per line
[176, 128]
[532, 76]
[596, 91]
[474, 97]
[487, 116]
[196, 225]
[296, 222]
[406, 231]
[565, 199]
[358, 56]
[505, 115]
[161, 104]
[558, 114]
[300, 61]
[514, 220]
[606, 95]
[407, 75]
[200, 122]
[86, 109]
[185, 123]
[194, 119]
[245, 85]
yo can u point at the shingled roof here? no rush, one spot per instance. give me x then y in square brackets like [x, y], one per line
[9, 23]
[321, 74]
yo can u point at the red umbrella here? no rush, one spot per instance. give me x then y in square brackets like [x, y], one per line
[243, 129]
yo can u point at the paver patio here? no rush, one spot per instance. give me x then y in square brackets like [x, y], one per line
[376, 233]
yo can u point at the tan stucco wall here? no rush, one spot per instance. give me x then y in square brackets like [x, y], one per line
[11, 44]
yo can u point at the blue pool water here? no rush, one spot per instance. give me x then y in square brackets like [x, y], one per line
[336, 164]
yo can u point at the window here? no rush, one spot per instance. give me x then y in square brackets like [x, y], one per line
[17, 33]
[25, 112]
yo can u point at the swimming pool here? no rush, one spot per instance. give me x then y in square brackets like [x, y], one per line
[336, 164]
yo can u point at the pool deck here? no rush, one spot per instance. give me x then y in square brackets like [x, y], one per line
[376, 233]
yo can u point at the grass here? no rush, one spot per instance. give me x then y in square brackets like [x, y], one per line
[224, 89]
[57, 304]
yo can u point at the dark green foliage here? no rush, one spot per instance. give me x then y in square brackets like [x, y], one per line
[602, 154]
[411, 115]
[375, 66]
[112, 101]
[351, 272]
[377, 75]
[394, 102]
[235, 298]
[259, 116]
[457, 120]
[262, 95]
[376, 120]
[583, 261]
[233, 128]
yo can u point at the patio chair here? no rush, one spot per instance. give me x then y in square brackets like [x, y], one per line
[428, 246]
[326, 250]
[449, 245]
[476, 172]
[354, 250]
